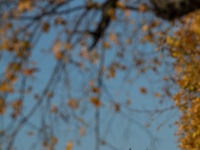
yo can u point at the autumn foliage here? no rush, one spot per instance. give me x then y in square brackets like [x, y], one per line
[183, 45]
[94, 46]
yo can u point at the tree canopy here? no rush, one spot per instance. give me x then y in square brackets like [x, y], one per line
[96, 51]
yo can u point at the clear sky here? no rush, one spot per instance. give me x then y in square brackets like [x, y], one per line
[123, 129]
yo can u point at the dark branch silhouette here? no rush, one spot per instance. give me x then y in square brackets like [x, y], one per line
[104, 23]
[170, 10]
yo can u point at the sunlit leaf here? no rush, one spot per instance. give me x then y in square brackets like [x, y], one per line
[69, 146]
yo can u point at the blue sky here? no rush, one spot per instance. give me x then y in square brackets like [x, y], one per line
[122, 129]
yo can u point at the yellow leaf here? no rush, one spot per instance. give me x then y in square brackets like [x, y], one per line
[144, 28]
[24, 5]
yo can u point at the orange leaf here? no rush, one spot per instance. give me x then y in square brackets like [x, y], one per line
[96, 90]
[143, 90]
[50, 95]
[112, 37]
[157, 95]
[106, 45]
[29, 71]
[73, 103]
[17, 104]
[54, 140]
[69, 145]
[95, 101]
[54, 108]
[142, 8]
[58, 55]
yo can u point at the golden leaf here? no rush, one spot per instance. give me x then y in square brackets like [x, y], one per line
[24, 5]
[144, 28]
[3, 87]
[69, 145]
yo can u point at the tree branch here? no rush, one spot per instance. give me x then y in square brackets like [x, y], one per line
[171, 10]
